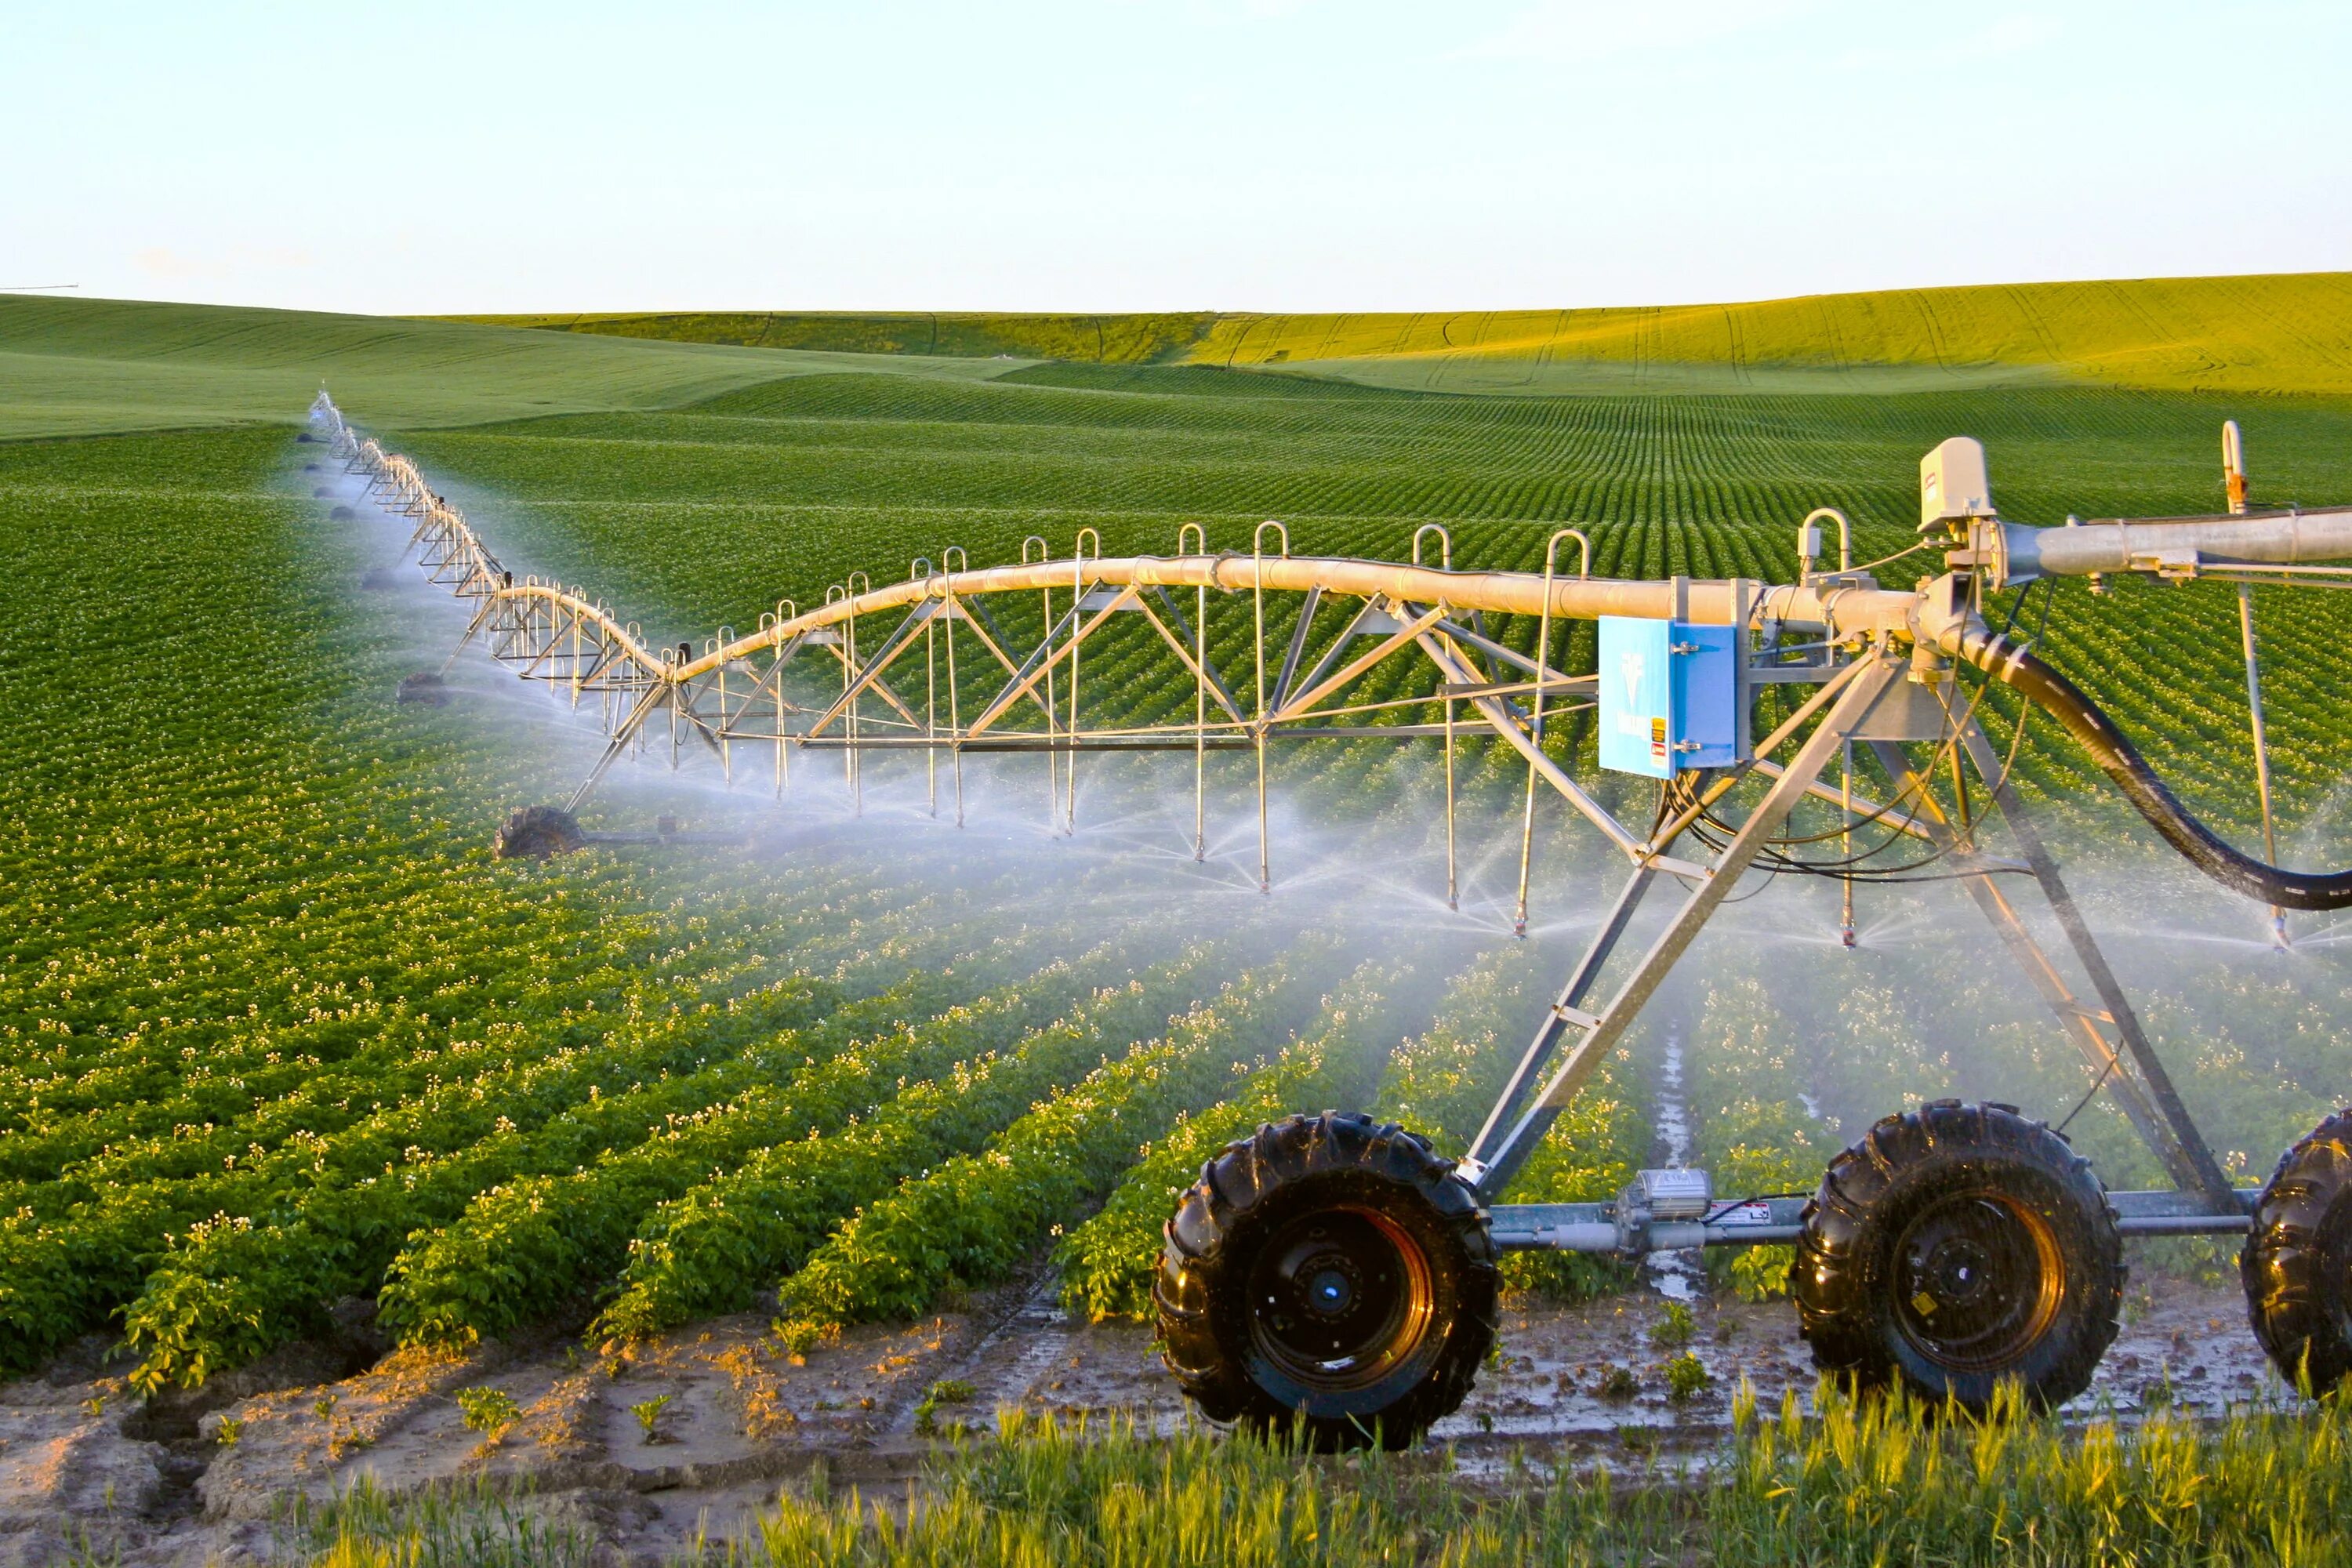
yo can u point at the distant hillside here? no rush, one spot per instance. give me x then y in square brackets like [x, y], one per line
[72, 367]
[1099, 339]
[2288, 332]
[79, 367]
[2283, 332]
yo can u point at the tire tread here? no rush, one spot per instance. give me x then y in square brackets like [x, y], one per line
[1849, 1226]
[1275, 1159]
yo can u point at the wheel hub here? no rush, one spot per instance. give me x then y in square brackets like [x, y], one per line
[1330, 1289]
[1338, 1297]
[1958, 1270]
[1978, 1279]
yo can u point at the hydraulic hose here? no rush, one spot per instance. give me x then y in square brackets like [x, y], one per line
[2015, 667]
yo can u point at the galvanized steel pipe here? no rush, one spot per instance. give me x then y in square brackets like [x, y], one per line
[1844, 612]
[2118, 544]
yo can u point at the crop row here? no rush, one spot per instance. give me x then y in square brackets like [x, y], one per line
[970, 1220]
[233, 1287]
[736, 1001]
[522, 1247]
[719, 1246]
[1107, 1263]
[66, 1270]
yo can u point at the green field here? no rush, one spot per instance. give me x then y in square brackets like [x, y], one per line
[277, 1032]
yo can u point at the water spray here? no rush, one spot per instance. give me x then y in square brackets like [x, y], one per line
[1348, 1276]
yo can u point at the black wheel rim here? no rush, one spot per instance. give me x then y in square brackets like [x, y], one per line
[1339, 1298]
[1978, 1279]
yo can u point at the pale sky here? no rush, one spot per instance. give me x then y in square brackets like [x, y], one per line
[1116, 155]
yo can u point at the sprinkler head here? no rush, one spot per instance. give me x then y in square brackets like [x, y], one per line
[1845, 935]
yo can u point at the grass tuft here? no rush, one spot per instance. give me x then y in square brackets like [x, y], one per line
[1868, 1482]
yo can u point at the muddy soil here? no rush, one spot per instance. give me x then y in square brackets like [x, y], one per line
[87, 1469]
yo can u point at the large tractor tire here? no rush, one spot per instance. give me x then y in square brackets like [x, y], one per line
[535, 832]
[1957, 1247]
[2297, 1262]
[1332, 1272]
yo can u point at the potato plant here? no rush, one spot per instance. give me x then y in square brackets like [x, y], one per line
[717, 1247]
[969, 1221]
[1107, 1263]
[524, 1248]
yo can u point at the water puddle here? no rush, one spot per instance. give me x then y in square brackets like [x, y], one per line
[1676, 1276]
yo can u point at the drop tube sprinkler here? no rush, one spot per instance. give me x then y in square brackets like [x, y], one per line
[2234, 486]
[1536, 727]
[1808, 550]
[1453, 876]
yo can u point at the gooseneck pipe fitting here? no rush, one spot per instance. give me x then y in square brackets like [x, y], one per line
[2016, 667]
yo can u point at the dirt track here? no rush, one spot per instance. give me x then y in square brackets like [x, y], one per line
[80, 1461]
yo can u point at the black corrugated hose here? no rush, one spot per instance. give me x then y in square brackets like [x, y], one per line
[2015, 667]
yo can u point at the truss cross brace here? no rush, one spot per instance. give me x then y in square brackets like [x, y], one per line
[1494, 1159]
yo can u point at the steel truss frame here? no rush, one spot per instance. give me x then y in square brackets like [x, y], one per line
[1571, 1043]
[1864, 642]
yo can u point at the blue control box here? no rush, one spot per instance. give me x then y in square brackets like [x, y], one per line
[1669, 696]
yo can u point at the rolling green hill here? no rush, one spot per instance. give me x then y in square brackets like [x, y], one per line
[78, 367]
[1099, 340]
[88, 367]
[2290, 332]
[2285, 332]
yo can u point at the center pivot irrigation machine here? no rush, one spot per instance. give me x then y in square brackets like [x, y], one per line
[1336, 1270]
